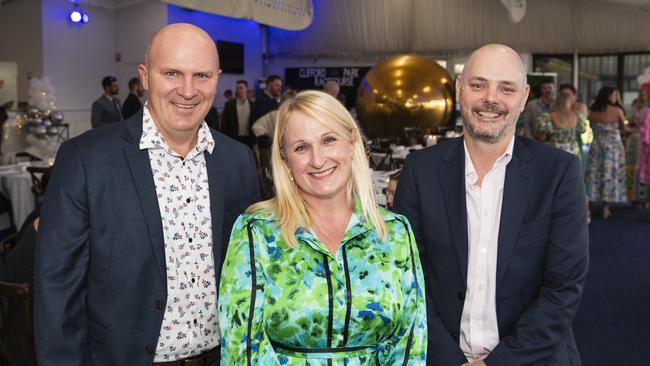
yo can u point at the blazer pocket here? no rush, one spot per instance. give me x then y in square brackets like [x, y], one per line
[96, 331]
[534, 229]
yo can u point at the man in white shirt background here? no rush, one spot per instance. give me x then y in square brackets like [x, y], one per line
[236, 120]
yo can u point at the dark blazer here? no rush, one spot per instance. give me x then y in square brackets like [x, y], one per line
[542, 257]
[131, 106]
[264, 103]
[100, 281]
[230, 121]
[104, 113]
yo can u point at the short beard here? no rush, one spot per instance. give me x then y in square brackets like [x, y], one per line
[486, 137]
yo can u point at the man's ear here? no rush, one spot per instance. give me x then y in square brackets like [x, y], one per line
[526, 92]
[144, 76]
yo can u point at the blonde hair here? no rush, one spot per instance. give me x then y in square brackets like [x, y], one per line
[288, 206]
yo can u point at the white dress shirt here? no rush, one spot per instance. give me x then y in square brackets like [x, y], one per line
[479, 332]
[190, 324]
[243, 114]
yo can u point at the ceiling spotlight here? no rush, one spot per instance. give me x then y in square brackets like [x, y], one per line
[78, 16]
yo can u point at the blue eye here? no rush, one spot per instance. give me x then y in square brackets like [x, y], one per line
[300, 148]
[171, 73]
[329, 140]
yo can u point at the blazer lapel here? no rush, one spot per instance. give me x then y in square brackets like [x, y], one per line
[138, 161]
[452, 182]
[216, 175]
[516, 190]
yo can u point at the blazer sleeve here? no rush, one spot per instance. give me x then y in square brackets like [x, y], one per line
[96, 114]
[548, 319]
[442, 348]
[410, 337]
[229, 122]
[241, 301]
[60, 274]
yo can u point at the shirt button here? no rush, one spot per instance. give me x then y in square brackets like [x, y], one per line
[190, 240]
[188, 200]
[195, 322]
[193, 280]
[149, 349]
[159, 305]
[483, 250]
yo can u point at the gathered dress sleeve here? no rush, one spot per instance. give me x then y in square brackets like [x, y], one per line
[543, 124]
[241, 301]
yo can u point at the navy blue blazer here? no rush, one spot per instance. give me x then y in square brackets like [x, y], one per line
[542, 258]
[100, 282]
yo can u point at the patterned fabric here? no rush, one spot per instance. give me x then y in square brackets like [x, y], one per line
[636, 192]
[605, 179]
[644, 161]
[562, 138]
[304, 306]
[190, 324]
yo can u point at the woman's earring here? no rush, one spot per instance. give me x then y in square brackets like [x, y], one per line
[291, 176]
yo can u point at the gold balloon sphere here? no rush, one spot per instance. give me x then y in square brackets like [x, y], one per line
[405, 91]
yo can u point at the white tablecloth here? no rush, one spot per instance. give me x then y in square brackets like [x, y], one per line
[17, 187]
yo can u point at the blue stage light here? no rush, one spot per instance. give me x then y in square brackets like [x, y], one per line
[75, 16]
[85, 18]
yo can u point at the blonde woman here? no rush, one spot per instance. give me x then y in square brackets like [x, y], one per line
[319, 275]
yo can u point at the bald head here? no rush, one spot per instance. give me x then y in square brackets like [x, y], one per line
[178, 33]
[181, 73]
[492, 91]
[510, 59]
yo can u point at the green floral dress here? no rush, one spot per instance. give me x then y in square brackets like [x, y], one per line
[304, 306]
[562, 138]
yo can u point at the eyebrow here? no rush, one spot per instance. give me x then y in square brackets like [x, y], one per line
[321, 136]
[481, 79]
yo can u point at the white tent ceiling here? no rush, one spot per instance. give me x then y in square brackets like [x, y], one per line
[362, 27]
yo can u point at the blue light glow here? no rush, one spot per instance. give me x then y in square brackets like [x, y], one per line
[75, 16]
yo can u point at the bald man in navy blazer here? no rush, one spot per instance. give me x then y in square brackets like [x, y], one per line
[136, 220]
[502, 229]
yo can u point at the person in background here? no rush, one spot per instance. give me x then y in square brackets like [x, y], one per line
[106, 109]
[263, 130]
[644, 159]
[332, 88]
[390, 189]
[572, 93]
[132, 102]
[501, 226]
[635, 161]
[236, 118]
[228, 96]
[536, 107]
[605, 169]
[268, 99]
[560, 127]
[136, 219]
[320, 275]
[3, 111]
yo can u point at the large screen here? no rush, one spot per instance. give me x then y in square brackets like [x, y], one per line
[231, 57]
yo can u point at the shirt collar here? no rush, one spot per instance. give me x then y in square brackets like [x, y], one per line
[152, 139]
[504, 159]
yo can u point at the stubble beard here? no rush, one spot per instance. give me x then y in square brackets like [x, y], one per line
[487, 136]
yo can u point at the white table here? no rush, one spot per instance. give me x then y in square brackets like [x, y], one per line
[17, 187]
